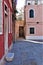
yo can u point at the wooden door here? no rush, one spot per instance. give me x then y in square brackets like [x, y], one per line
[21, 31]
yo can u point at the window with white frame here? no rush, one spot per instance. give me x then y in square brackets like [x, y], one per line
[31, 13]
[32, 31]
[5, 9]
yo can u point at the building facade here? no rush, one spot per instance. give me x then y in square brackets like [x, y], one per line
[33, 15]
[5, 26]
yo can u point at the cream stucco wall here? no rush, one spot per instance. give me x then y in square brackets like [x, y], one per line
[17, 24]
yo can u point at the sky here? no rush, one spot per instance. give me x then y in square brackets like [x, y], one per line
[20, 4]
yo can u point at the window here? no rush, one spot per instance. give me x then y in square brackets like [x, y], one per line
[31, 30]
[28, 3]
[31, 13]
[5, 9]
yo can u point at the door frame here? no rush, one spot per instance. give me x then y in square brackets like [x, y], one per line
[6, 34]
[22, 28]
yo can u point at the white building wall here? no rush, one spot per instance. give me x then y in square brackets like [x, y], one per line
[1, 18]
[33, 2]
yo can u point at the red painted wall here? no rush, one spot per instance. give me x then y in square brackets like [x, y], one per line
[1, 46]
[2, 35]
[9, 39]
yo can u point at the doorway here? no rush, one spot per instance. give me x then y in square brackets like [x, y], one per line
[21, 31]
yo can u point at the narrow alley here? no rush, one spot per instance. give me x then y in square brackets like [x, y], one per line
[21, 32]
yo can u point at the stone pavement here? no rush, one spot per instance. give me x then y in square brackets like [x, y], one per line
[26, 53]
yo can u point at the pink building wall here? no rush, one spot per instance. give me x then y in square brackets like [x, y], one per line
[32, 22]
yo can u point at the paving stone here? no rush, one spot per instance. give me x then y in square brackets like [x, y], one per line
[27, 53]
